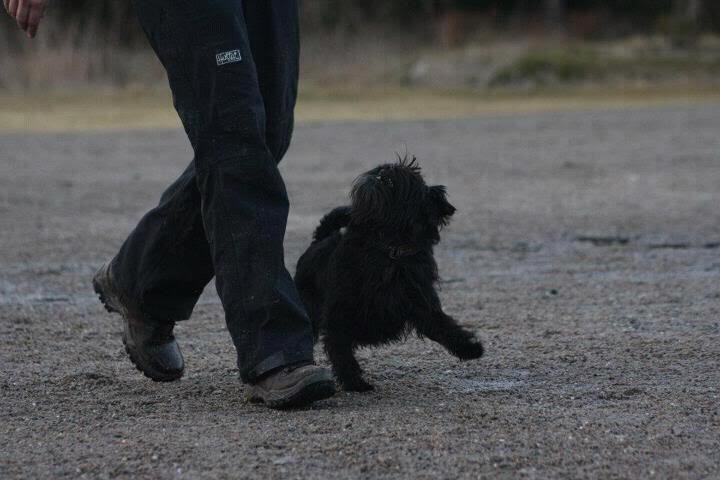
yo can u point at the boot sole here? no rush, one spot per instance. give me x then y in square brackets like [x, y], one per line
[150, 373]
[299, 395]
[112, 307]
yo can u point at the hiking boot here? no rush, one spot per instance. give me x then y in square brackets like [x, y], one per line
[150, 344]
[293, 387]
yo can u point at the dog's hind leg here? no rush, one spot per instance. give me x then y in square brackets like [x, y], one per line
[443, 329]
[339, 350]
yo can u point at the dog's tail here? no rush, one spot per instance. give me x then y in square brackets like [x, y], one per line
[332, 222]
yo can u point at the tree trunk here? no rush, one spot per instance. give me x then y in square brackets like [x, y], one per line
[694, 9]
[554, 12]
[689, 10]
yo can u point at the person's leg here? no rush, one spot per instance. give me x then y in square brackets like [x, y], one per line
[205, 48]
[272, 27]
[165, 263]
[157, 277]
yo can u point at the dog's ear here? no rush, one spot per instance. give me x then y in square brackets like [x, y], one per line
[442, 208]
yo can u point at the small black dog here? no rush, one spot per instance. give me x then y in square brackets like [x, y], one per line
[368, 277]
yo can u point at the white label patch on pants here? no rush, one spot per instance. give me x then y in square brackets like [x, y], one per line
[228, 57]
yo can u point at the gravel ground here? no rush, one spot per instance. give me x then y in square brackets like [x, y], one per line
[586, 254]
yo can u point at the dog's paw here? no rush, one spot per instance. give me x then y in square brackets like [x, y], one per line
[357, 385]
[470, 350]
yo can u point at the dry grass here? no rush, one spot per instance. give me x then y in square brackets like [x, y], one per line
[96, 111]
[132, 110]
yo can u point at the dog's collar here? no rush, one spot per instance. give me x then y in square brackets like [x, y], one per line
[399, 251]
[393, 251]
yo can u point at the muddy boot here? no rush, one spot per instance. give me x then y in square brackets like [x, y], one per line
[293, 387]
[150, 344]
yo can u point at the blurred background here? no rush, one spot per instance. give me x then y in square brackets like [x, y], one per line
[403, 49]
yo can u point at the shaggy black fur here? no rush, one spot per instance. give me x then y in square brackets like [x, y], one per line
[368, 277]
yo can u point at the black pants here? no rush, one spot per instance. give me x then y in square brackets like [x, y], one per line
[233, 72]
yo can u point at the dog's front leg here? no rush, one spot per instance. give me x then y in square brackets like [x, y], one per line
[339, 350]
[443, 329]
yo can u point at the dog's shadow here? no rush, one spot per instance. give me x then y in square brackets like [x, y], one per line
[424, 373]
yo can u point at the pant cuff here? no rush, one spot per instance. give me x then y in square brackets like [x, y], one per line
[273, 362]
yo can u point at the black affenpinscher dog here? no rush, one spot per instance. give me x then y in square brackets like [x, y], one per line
[368, 277]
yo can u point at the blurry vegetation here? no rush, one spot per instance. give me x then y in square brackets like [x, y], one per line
[429, 43]
[114, 22]
[584, 17]
[608, 62]
[550, 66]
[81, 22]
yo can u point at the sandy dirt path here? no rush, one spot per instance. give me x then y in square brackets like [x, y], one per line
[585, 252]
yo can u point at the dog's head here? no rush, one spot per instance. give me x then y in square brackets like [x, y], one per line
[395, 197]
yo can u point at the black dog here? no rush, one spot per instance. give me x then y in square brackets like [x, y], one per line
[368, 277]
